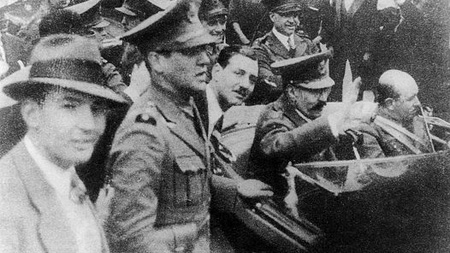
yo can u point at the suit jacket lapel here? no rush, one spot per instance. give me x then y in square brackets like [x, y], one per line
[53, 228]
[277, 47]
[300, 48]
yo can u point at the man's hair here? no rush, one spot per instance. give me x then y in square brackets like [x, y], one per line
[385, 91]
[230, 51]
[61, 21]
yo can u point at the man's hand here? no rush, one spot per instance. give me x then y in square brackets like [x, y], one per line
[103, 202]
[352, 116]
[252, 188]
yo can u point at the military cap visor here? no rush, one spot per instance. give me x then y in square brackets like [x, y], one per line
[177, 27]
[310, 72]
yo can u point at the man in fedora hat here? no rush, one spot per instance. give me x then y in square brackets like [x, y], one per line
[160, 157]
[279, 44]
[64, 103]
[291, 129]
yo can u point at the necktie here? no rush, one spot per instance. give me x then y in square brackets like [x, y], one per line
[291, 47]
[77, 191]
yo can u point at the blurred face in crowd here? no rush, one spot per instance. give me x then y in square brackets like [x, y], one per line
[310, 102]
[216, 26]
[66, 125]
[185, 69]
[285, 23]
[235, 82]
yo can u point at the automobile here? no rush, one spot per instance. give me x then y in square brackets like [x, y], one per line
[393, 204]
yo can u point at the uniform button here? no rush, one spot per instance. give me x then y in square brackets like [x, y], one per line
[179, 249]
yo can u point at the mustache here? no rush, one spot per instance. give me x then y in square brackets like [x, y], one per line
[319, 106]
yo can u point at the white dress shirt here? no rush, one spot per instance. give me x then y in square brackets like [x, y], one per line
[214, 110]
[79, 216]
[283, 38]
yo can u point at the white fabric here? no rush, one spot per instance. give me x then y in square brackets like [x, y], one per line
[348, 4]
[283, 38]
[79, 216]
[214, 110]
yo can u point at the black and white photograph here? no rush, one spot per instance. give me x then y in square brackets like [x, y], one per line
[224, 126]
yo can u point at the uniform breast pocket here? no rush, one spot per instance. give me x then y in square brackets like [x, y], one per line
[190, 181]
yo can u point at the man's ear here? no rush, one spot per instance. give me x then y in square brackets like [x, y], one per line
[272, 16]
[30, 111]
[290, 90]
[157, 62]
[389, 103]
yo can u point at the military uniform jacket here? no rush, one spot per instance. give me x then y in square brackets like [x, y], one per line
[32, 219]
[377, 142]
[160, 167]
[283, 136]
[269, 50]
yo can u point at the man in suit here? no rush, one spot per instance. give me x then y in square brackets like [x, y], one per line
[160, 157]
[396, 130]
[291, 129]
[279, 44]
[64, 104]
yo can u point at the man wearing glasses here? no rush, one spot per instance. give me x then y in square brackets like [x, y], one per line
[279, 44]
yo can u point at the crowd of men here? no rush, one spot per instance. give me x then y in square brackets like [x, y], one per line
[113, 120]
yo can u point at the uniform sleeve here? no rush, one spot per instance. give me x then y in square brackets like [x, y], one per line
[281, 140]
[370, 148]
[137, 157]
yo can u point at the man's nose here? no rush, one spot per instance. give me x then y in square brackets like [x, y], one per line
[323, 96]
[87, 118]
[203, 58]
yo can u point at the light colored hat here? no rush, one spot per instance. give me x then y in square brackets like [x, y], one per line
[212, 8]
[310, 71]
[68, 61]
[175, 28]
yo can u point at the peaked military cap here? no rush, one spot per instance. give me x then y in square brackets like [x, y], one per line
[90, 13]
[212, 8]
[142, 8]
[285, 6]
[310, 72]
[177, 27]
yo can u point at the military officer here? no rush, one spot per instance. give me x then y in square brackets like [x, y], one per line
[291, 129]
[160, 157]
[279, 44]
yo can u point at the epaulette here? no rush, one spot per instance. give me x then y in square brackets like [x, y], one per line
[147, 116]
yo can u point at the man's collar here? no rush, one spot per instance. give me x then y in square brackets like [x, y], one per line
[214, 109]
[282, 38]
[56, 176]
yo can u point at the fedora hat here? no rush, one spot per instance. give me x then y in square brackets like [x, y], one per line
[177, 27]
[310, 71]
[67, 61]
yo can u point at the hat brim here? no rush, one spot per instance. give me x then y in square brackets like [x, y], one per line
[317, 84]
[126, 11]
[17, 84]
[167, 41]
